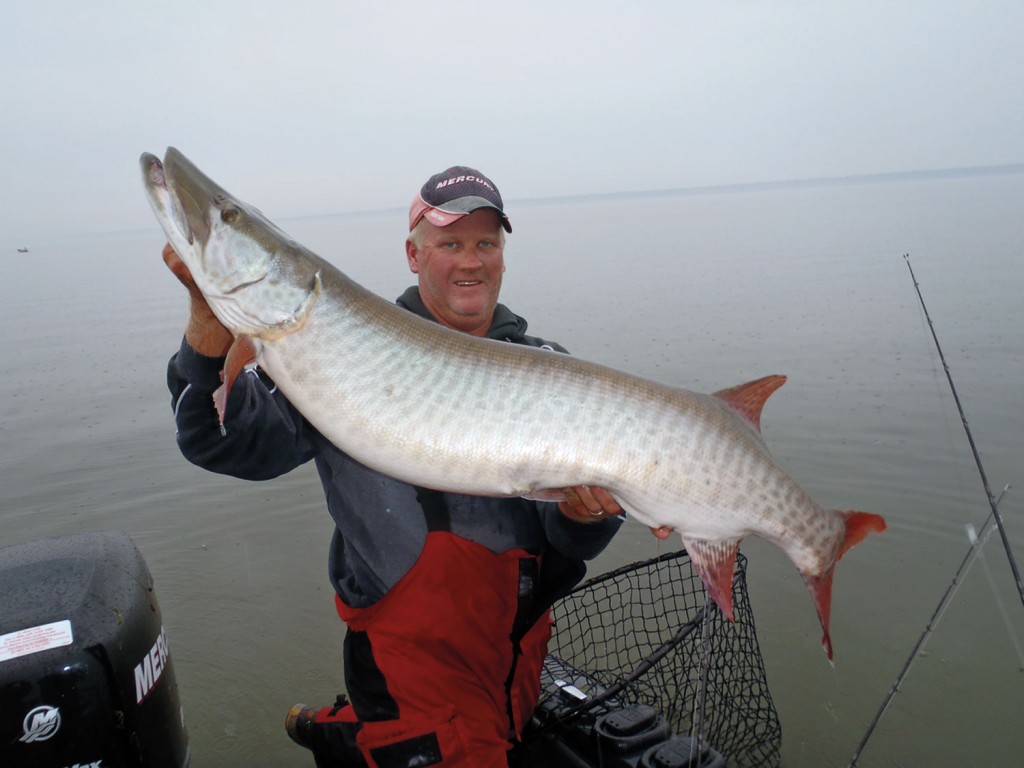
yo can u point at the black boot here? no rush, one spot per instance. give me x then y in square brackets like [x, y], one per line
[329, 732]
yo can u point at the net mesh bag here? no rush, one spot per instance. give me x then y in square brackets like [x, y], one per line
[645, 634]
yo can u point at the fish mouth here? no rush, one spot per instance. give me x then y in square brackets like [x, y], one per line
[189, 206]
[182, 196]
[166, 201]
[195, 194]
[154, 170]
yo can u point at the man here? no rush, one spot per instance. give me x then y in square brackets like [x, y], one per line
[445, 596]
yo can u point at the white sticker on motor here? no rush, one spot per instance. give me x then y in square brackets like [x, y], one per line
[35, 639]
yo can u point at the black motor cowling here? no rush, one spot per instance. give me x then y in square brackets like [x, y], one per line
[86, 677]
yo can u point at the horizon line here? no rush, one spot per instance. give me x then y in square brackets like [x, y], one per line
[1004, 169]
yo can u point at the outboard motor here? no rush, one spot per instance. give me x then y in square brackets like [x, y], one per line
[86, 678]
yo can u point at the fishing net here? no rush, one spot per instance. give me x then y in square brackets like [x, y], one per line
[644, 634]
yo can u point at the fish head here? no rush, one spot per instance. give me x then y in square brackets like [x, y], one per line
[247, 269]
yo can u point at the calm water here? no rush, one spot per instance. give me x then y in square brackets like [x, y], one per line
[704, 291]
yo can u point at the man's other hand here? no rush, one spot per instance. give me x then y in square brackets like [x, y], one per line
[588, 504]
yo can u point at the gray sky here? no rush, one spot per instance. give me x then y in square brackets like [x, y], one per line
[318, 107]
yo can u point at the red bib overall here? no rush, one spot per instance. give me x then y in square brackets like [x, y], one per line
[444, 669]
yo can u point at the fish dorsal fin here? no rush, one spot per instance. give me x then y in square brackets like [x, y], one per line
[715, 562]
[748, 399]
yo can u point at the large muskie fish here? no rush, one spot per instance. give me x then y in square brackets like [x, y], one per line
[449, 411]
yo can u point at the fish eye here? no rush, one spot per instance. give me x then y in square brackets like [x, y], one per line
[230, 215]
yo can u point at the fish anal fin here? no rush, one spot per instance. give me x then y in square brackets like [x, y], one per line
[748, 399]
[242, 353]
[715, 562]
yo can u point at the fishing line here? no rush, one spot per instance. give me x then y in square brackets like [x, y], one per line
[933, 622]
[979, 542]
[970, 438]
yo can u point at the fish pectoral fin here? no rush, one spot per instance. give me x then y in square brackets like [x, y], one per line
[748, 399]
[243, 351]
[715, 562]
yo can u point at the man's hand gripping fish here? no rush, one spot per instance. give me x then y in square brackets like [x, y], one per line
[454, 412]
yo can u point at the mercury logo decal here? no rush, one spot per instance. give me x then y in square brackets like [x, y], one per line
[460, 179]
[40, 724]
[151, 668]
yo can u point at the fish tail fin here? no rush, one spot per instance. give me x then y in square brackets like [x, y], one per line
[858, 526]
[715, 562]
[820, 587]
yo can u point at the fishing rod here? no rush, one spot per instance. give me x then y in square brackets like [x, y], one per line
[976, 543]
[970, 438]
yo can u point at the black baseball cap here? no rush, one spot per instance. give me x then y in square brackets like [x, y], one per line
[454, 193]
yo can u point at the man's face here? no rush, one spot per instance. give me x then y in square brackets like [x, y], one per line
[460, 268]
